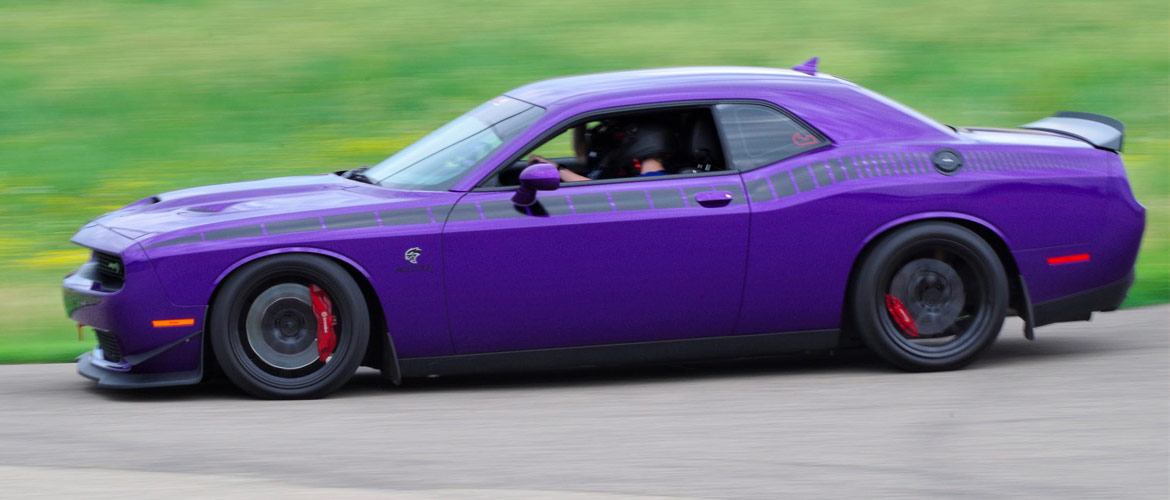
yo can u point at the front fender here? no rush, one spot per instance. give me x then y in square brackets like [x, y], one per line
[278, 251]
[409, 294]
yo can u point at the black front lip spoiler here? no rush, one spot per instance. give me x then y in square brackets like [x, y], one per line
[122, 380]
[1080, 306]
[116, 374]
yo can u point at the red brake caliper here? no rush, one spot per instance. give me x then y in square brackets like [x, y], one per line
[901, 316]
[323, 310]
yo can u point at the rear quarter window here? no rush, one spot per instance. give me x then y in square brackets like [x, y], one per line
[758, 135]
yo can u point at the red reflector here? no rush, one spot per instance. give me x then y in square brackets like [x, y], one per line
[1068, 259]
[159, 323]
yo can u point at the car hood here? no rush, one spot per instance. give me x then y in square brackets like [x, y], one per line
[211, 205]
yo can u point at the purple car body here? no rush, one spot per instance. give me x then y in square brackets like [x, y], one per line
[763, 255]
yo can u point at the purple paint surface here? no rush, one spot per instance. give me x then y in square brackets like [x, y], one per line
[627, 271]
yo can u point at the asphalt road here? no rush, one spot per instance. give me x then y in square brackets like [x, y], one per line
[1082, 412]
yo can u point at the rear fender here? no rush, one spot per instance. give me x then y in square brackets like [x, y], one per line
[1018, 300]
[931, 215]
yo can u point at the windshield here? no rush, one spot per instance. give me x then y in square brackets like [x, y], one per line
[441, 158]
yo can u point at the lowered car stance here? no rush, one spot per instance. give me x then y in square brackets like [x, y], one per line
[639, 216]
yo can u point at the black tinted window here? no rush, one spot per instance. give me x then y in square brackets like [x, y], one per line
[759, 135]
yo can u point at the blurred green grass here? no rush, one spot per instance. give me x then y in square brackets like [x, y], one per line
[103, 103]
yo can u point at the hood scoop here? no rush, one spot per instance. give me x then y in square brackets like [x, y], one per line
[211, 208]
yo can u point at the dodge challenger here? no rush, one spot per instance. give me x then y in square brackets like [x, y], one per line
[637, 216]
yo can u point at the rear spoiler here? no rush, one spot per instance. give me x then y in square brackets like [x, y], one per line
[1100, 131]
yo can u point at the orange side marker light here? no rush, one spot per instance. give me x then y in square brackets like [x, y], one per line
[160, 323]
[1068, 259]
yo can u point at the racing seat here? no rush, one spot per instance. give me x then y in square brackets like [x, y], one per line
[706, 153]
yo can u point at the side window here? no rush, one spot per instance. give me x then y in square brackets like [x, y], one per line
[648, 144]
[758, 135]
[560, 147]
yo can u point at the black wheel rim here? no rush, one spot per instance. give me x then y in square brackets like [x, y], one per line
[945, 287]
[284, 357]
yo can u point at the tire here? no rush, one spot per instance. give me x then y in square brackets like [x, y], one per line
[946, 279]
[264, 329]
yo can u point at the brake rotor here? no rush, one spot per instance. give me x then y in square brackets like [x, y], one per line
[931, 292]
[280, 327]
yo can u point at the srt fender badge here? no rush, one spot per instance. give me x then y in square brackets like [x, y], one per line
[412, 255]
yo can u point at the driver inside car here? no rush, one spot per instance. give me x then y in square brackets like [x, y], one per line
[642, 150]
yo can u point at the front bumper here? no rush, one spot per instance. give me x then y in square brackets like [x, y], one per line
[91, 365]
[137, 351]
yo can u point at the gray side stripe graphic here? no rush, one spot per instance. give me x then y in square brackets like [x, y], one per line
[912, 161]
[875, 166]
[782, 182]
[404, 216]
[759, 191]
[839, 172]
[803, 179]
[975, 161]
[234, 232]
[464, 212]
[501, 209]
[590, 203]
[850, 167]
[779, 185]
[178, 241]
[821, 171]
[666, 198]
[895, 164]
[553, 205]
[862, 166]
[891, 164]
[350, 221]
[630, 200]
[294, 226]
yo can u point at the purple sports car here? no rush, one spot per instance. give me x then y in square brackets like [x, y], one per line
[658, 215]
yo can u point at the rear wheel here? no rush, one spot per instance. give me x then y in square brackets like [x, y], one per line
[289, 327]
[930, 296]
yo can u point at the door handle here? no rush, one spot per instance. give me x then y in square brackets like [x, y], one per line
[713, 199]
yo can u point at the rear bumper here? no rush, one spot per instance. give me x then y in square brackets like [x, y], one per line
[1080, 306]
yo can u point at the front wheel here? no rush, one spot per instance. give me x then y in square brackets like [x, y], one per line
[289, 327]
[929, 297]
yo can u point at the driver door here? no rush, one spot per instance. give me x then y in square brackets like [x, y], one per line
[634, 261]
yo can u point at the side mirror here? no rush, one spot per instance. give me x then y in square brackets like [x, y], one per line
[538, 177]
